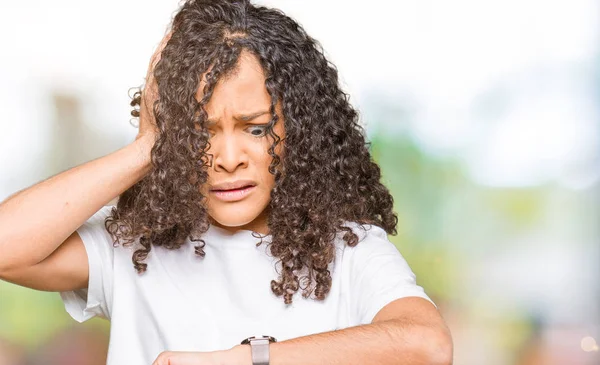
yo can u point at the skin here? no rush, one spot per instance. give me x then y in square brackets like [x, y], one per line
[239, 145]
[41, 250]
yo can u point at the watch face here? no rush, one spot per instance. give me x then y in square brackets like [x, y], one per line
[263, 337]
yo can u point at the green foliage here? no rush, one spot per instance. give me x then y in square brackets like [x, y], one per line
[420, 185]
[30, 317]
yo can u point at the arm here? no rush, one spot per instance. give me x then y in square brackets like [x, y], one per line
[39, 247]
[407, 331]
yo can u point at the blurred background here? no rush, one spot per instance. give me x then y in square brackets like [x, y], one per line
[484, 116]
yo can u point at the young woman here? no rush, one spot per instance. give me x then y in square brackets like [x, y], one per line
[250, 181]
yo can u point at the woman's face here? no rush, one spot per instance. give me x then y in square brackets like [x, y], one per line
[239, 183]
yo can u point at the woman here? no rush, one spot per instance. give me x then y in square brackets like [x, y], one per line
[250, 180]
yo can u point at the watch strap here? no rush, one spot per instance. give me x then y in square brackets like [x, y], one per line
[260, 351]
[259, 347]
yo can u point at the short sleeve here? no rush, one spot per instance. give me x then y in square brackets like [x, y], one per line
[377, 274]
[96, 299]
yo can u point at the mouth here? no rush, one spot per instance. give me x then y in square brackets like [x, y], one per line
[234, 189]
[233, 194]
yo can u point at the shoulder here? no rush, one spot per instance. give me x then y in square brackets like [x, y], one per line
[374, 255]
[371, 238]
[366, 232]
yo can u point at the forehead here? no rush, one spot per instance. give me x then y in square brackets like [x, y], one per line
[242, 91]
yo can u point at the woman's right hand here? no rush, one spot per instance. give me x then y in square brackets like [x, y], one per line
[149, 94]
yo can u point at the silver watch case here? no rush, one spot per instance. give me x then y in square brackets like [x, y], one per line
[259, 346]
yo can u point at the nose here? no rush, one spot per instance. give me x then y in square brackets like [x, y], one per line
[228, 154]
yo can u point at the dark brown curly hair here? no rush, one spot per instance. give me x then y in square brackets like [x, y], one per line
[325, 179]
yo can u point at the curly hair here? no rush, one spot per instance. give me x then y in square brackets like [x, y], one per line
[325, 177]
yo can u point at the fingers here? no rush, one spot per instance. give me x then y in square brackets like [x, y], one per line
[157, 54]
[149, 92]
[149, 86]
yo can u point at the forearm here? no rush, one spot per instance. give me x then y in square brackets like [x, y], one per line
[382, 343]
[36, 220]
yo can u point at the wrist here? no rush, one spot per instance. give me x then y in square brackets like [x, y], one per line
[237, 355]
[143, 146]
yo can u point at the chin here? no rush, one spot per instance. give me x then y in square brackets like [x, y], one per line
[234, 215]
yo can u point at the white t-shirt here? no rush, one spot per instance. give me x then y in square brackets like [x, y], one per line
[184, 302]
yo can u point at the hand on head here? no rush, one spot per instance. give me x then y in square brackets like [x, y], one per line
[149, 94]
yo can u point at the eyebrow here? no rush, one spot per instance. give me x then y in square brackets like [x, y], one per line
[241, 117]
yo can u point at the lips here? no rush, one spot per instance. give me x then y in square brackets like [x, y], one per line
[232, 185]
[236, 191]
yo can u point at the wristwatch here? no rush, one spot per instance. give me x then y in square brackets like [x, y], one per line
[259, 346]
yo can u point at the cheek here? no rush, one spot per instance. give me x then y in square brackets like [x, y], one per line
[262, 161]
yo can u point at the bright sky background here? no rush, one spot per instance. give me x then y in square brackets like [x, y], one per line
[507, 86]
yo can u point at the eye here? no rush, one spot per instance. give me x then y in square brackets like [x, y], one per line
[258, 130]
